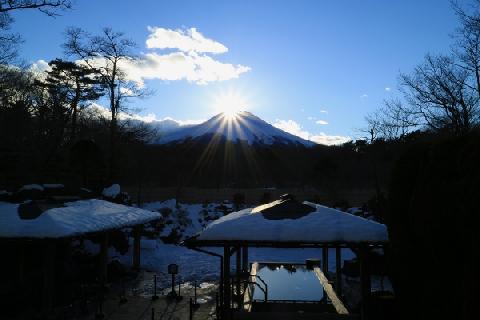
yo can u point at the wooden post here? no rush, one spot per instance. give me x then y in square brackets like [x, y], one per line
[365, 284]
[21, 263]
[48, 276]
[325, 259]
[338, 270]
[104, 258]
[226, 282]
[245, 259]
[238, 271]
[137, 238]
[220, 290]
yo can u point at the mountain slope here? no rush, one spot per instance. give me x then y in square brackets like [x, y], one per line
[244, 126]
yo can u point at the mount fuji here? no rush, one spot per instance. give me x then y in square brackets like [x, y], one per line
[240, 127]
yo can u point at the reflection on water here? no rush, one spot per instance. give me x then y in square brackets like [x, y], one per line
[289, 282]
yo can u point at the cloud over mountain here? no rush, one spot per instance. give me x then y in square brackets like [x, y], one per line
[295, 128]
[189, 60]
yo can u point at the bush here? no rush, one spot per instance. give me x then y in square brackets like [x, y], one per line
[266, 198]
[238, 200]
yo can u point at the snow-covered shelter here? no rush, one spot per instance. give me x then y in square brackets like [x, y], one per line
[48, 223]
[71, 219]
[286, 223]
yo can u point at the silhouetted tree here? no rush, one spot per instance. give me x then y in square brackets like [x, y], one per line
[106, 53]
[46, 6]
[440, 93]
[75, 86]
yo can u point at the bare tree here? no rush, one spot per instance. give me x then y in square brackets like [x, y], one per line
[440, 92]
[106, 53]
[9, 42]
[46, 6]
[392, 121]
[397, 120]
[373, 127]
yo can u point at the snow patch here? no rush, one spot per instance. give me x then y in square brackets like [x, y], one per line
[31, 187]
[53, 185]
[112, 191]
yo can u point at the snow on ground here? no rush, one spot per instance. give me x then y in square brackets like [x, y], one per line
[31, 187]
[185, 219]
[53, 185]
[112, 191]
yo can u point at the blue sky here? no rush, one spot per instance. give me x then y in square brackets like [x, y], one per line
[303, 56]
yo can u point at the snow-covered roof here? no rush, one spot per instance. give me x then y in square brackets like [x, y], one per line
[323, 225]
[74, 219]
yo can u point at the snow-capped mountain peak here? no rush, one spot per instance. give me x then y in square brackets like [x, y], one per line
[243, 126]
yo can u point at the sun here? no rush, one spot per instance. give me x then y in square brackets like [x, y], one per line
[230, 104]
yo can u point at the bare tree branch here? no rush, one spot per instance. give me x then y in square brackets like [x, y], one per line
[46, 6]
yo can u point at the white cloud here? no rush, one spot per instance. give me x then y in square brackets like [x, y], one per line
[388, 89]
[40, 68]
[322, 138]
[364, 96]
[322, 122]
[294, 128]
[200, 69]
[311, 118]
[149, 118]
[323, 111]
[184, 40]
[152, 118]
[189, 61]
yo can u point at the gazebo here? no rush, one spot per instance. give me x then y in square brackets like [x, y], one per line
[52, 222]
[286, 223]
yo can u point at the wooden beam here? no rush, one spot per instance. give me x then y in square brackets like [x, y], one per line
[226, 282]
[238, 272]
[365, 281]
[137, 239]
[328, 289]
[325, 259]
[48, 277]
[245, 259]
[104, 258]
[21, 263]
[193, 242]
[338, 270]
